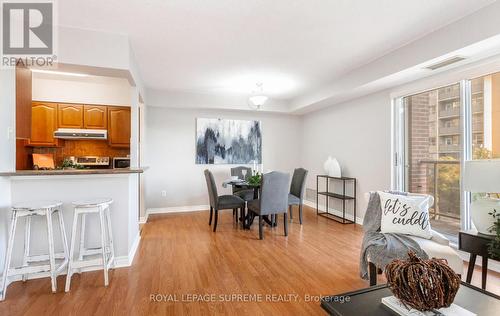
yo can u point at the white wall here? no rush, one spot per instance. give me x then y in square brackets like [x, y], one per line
[7, 146]
[170, 153]
[88, 90]
[358, 134]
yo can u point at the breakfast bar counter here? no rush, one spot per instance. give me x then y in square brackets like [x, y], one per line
[71, 172]
[67, 186]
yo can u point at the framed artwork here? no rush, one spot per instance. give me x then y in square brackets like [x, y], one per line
[220, 141]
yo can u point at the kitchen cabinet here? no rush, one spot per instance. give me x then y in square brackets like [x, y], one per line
[43, 124]
[119, 126]
[95, 117]
[23, 102]
[70, 115]
[23, 116]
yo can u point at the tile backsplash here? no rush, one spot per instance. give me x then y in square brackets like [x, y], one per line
[82, 148]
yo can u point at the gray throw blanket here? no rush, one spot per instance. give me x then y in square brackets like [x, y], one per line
[382, 248]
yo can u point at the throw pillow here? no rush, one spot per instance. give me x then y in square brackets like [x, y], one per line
[405, 214]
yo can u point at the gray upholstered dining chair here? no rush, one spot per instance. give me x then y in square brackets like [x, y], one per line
[273, 198]
[223, 202]
[245, 194]
[297, 190]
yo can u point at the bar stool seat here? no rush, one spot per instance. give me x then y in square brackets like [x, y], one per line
[92, 203]
[101, 206]
[27, 210]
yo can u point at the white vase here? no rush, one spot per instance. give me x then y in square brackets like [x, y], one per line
[481, 218]
[332, 167]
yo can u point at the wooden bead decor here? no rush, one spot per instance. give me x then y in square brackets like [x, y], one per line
[424, 285]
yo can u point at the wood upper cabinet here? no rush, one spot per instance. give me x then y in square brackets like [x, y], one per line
[23, 102]
[43, 124]
[95, 117]
[119, 126]
[70, 115]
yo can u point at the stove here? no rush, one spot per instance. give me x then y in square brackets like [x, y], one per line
[91, 161]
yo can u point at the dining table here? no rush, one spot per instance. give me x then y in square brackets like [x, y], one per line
[249, 217]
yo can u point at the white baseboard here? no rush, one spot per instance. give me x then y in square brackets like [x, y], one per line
[120, 262]
[333, 211]
[177, 209]
[126, 261]
[144, 219]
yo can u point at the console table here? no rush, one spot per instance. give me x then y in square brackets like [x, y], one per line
[339, 196]
[477, 245]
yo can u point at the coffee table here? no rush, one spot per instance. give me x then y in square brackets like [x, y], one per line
[368, 301]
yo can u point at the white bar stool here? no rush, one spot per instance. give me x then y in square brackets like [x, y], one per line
[27, 210]
[107, 251]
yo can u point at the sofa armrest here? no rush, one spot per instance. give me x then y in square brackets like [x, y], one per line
[439, 238]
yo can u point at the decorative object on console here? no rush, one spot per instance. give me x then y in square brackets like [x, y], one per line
[332, 167]
[425, 285]
[406, 214]
[482, 176]
[221, 141]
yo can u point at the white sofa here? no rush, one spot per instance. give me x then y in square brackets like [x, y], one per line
[436, 247]
[439, 247]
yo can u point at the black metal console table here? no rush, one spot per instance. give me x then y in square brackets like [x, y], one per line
[343, 197]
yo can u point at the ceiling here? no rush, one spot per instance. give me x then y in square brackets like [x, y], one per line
[291, 46]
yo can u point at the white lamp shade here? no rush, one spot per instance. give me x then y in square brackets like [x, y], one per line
[482, 176]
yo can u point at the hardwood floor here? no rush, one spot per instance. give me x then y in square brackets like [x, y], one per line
[179, 256]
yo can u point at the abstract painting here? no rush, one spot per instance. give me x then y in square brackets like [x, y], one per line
[221, 141]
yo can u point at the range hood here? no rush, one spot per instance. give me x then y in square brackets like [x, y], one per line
[68, 133]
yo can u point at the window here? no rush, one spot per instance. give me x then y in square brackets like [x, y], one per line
[486, 117]
[436, 131]
[433, 151]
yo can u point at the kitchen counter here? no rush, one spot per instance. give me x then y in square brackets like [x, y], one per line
[66, 186]
[73, 172]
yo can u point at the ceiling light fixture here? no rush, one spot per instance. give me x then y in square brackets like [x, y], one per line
[257, 100]
[50, 72]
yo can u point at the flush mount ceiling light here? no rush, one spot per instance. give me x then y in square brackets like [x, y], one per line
[257, 100]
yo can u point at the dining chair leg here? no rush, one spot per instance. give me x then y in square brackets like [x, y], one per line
[261, 233]
[211, 213]
[300, 213]
[290, 208]
[285, 224]
[216, 218]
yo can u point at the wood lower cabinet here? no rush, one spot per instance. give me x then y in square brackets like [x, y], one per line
[43, 124]
[119, 124]
[95, 117]
[70, 115]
